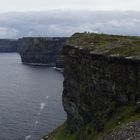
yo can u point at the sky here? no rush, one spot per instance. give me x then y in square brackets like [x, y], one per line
[39, 5]
[20, 18]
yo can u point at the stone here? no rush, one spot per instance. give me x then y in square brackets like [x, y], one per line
[45, 51]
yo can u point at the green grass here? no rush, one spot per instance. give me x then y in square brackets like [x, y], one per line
[107, 44]
[87, 132]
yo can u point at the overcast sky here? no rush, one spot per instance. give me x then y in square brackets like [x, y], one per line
[20, 18]
[37, 5]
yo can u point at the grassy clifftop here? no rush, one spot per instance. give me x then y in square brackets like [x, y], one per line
[107, 44]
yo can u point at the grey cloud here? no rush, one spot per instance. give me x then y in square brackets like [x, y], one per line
[6, 32]
[65, 23]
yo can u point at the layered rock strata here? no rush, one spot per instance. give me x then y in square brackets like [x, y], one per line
[98, 82]
[45, 51]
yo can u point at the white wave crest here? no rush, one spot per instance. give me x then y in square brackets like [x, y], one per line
[47, 97]
[42, 105]
[28, 137]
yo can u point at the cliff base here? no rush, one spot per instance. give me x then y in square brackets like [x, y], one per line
[124, 124]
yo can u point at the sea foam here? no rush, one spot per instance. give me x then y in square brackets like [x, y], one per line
[42, 105]
[28, 137]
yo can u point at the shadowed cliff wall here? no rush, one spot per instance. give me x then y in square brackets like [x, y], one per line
[8, 45]
[97, 85]
[42, 50]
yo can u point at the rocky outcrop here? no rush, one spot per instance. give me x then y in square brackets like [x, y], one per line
[101, 88]
[42, 50]
[97, 83]
[8, 45]
[131, 131]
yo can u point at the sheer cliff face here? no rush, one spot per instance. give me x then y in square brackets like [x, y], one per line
[97, 85]
[8, 45]
[42, 50]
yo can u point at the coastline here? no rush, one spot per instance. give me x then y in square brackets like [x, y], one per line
[47, 65]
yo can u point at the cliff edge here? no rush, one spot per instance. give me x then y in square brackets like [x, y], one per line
[42, 50]
[101, 88]
[8, 45]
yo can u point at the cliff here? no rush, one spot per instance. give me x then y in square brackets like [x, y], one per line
[42, 50]
[8, 45]
[101, 88]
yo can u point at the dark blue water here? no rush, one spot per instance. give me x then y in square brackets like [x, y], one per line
[30, 99]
